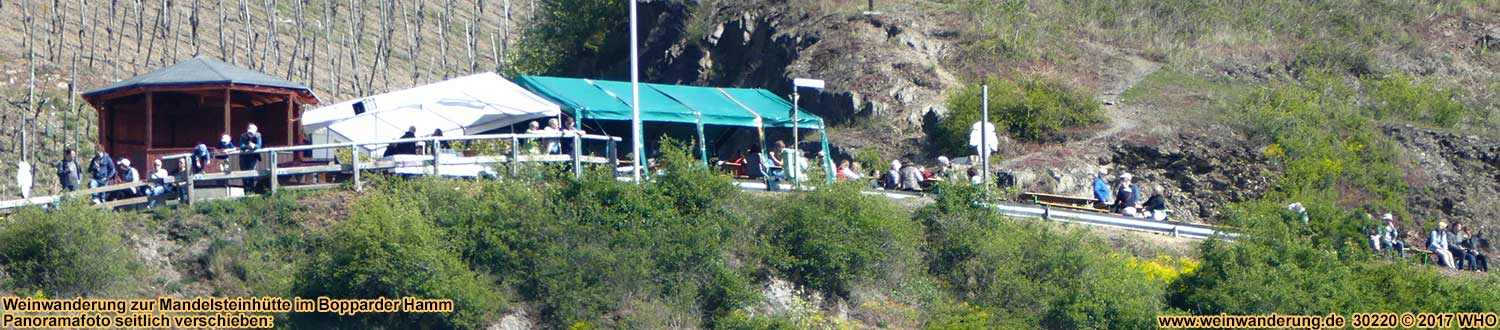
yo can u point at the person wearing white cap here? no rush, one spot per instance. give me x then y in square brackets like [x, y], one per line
[1129, 195]
[1437, 241]
[943, 170]
[226, 144]
[249, 142]
[158, 183]
[1101, 189]
[128, 174]
[892, 179]
[1388, 235]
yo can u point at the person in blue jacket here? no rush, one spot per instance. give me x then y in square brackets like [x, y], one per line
[1101, 189]
[249, 142]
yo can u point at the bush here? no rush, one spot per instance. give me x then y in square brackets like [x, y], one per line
[1396, 95]
[388, 250]
[72, 251]
[568, 33]
[1027, 107]
[1296, 277]
[1012, 272]
[1329, 151]
[831, 237]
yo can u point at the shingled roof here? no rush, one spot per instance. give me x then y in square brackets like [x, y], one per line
[203, 71]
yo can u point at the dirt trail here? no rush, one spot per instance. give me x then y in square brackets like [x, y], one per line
[1121, 116]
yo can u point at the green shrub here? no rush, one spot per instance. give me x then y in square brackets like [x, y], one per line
[870, 160]
[388, 250]
[1342, 57]
[72, 251]
[741, 321]
[694, 187]
[1297, 277]
[1010, 269]
[831, 237]
[1027, 107]
[1328, 150]
[1396, 95]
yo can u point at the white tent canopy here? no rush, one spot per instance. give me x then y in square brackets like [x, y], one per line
[460, 106]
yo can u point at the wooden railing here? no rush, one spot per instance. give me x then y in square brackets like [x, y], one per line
[272, 169]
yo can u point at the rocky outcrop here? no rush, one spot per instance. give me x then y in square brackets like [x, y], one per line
[1450, 177]
[1197, 170]
[883, 71]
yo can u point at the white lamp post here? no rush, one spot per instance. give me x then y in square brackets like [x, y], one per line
[797, 85]
[636, 145]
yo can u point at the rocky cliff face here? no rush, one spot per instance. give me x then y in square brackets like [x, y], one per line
[1196, 170]
[1451, 177]
[883, 71]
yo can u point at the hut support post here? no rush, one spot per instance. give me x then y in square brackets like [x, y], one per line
[150, 129]
[433, 149]
[354, 166]
[226, 110]
[275, 184]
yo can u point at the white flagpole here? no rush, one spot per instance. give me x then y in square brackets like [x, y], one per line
[635, 101]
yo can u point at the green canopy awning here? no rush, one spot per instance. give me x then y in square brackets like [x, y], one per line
[776, 111]
[610, 100]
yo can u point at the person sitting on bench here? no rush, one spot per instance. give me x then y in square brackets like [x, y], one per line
[157, 184]
[1128, 197]
[891, 180]
[1389, 237]
[1101, 190]
[1437, 241]
[1156, 207]
[1477, 260]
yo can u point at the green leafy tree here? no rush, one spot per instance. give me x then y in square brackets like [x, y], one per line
[386, 250]
[568, 32]
[1028, 107]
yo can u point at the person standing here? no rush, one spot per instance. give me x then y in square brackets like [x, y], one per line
[250, 141]
[225, 146]
[403, 148]
[101, 172]
[1101, 190]
[569, 130]
[68, 174]
[551, 143]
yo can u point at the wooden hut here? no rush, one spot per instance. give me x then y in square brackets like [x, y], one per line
[173, 109]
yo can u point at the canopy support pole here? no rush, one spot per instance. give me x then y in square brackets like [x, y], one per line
[827, 154]
[702, 143]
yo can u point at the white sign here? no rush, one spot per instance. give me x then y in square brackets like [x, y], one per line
[23, 178]
[808, 83]
[989, 136]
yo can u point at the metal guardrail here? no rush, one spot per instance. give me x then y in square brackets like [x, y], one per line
[1179, 229]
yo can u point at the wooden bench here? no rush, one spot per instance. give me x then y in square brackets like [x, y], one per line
[1071, 206]
[1428, 257]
